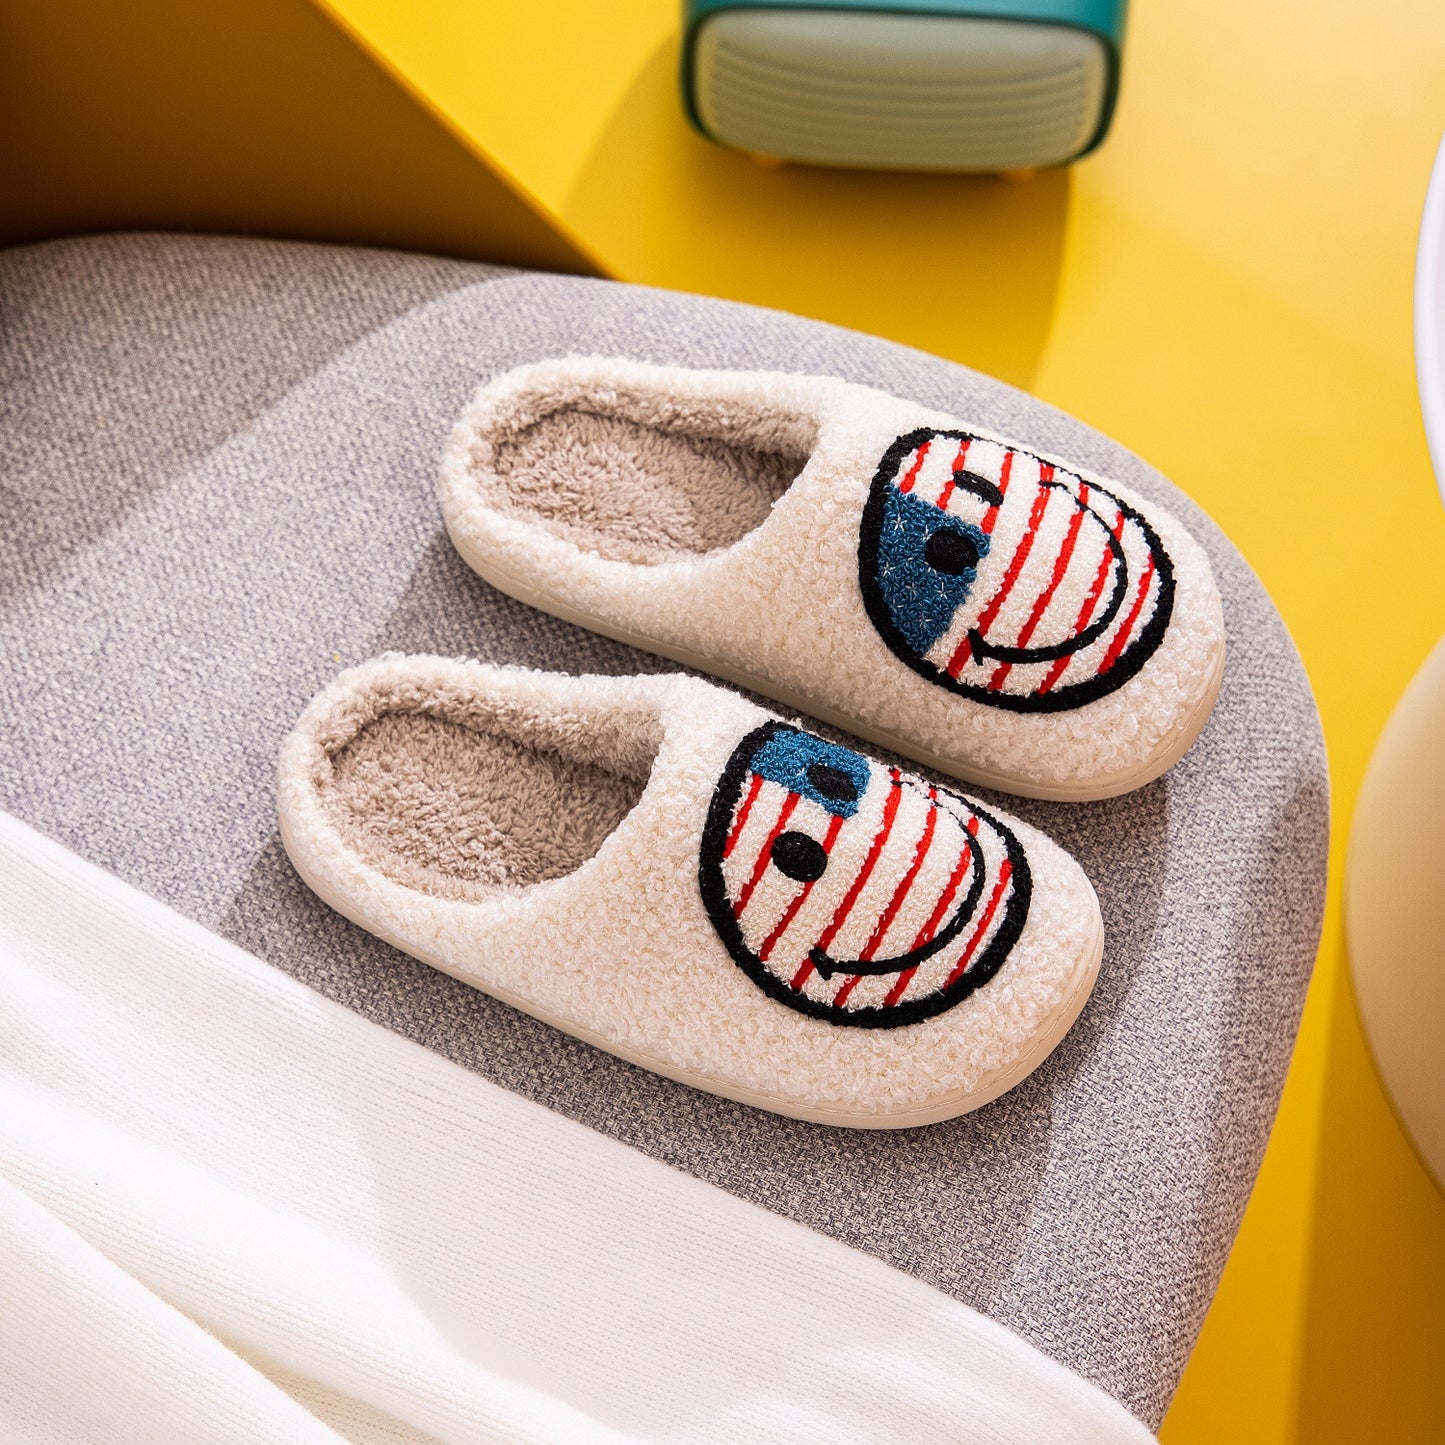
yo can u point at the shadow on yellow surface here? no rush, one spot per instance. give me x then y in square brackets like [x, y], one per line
[252, 117]
[963, 265]
[1376, 1274]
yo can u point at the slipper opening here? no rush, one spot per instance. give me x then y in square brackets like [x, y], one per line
[458, 796]
[640, 476]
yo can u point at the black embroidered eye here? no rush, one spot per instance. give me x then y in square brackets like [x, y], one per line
[799, 856]
[950, 552]
[979, 486]
[832, 783]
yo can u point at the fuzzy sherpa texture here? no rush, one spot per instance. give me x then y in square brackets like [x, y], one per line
[623, 948]
[635, 488]
[982, 606]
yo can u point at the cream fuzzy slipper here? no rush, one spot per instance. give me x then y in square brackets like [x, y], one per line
[660, 867]
[985, 610]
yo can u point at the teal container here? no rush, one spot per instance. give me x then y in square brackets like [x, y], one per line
[926, 85]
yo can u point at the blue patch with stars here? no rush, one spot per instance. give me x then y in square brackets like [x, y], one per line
[835, 778]
[920, 599]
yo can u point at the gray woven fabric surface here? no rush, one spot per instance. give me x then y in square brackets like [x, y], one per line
[216, 489]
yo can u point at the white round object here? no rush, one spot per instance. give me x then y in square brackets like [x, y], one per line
[1395, 909]
[1395, 889]
[1430, 317]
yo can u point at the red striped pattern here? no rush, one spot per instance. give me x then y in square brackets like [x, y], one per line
[1041, 579]
[840, 915]
[929, 929]
[1005, 475]
[742, 818]
[1005, 872]
[1061, 565]
[900, 849]
[1015, 566]
[765, 855]
[906, 485]
[960, 872]
[959, 660]
[1121, 638]
[958, 463]
[1086, 610]
[1038, 584]
[890, 812]
[890, 912]
[835, 824]
[900, 987]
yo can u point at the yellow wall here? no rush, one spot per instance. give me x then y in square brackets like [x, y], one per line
[241, 116]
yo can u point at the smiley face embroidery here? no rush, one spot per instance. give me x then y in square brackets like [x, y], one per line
[1008, 579]
[854, 892]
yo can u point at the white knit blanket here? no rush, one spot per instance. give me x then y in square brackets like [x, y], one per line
[231, 1210]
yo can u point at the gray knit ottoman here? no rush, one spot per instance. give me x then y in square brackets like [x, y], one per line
[216, 471]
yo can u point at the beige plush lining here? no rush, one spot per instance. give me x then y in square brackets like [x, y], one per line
[637, 476]
[457, 796]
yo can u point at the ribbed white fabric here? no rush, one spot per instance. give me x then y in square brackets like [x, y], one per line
[231, 1210]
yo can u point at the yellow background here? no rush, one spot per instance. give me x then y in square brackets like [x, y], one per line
[1225, 287]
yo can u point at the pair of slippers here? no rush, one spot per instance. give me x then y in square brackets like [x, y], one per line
[663, 868]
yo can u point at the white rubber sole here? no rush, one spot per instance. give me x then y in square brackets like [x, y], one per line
[1171, 748]
[949, 1106]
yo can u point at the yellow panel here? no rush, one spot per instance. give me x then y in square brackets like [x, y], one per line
[578, 105]
[534, 81]
[247, 116]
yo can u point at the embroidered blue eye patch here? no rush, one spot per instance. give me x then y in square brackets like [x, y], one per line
[834, 778]
[927, 563]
